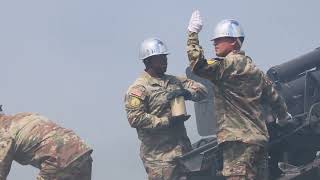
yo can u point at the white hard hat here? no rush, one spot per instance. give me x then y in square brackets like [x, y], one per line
[151, 47]
[228, 28]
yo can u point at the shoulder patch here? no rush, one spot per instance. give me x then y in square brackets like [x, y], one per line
[138, 91]
[134, 102]
[211, 61]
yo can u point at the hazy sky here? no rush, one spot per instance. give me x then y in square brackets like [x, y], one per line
[72, 60]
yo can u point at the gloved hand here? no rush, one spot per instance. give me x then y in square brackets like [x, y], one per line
[179, 92]
[289, 117]
[285, 121]
[174, 120]
[195, 23]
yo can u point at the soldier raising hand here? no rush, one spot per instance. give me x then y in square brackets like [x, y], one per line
[241, 94]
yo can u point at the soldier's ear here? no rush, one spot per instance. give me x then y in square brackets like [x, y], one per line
[234, 42]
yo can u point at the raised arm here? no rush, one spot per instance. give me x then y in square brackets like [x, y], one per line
[197, 90]
[198, 63]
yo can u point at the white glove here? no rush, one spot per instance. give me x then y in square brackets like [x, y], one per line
[285, 121]
[289, 117]
[195, 23]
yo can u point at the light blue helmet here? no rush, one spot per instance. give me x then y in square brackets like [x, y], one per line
[228, 28]
[151, 47]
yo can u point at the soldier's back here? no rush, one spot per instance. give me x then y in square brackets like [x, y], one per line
[37, 138]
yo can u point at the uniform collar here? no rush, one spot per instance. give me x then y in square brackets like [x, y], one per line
[234, 52]
[153, 80]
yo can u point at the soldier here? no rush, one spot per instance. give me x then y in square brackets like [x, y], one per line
[147, 103]
[31, 139]
[242, 92]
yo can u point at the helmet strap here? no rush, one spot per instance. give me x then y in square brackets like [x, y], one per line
[239, 42]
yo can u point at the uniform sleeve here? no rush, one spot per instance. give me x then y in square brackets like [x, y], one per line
[198, 64]
[276, 102]
[198, 90]
[135, 106]
[6, 156]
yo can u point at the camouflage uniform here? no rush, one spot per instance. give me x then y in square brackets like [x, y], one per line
[148, 111]
[242, 92]
[31, 139]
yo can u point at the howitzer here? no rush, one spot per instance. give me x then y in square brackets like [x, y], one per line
[298, 81]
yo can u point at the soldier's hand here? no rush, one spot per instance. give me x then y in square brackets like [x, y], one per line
[179, 92]
[175, 120]
[289, 117]
[195, 23]
[285, 121]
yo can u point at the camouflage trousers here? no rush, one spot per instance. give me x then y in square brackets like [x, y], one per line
[79, 169]
[243, 161]
[164, 171]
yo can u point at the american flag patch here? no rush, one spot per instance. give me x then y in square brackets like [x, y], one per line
[136, 92]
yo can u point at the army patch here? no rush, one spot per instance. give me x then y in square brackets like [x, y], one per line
[134, 102]
[210, 62]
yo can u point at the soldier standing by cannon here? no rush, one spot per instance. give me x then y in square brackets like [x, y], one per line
[240, 90]
[147, 103]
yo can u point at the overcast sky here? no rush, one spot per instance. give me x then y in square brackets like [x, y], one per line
[72, 61]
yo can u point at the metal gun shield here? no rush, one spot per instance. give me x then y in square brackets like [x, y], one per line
[204, 110]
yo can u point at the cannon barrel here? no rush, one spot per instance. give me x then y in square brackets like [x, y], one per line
[289, 70]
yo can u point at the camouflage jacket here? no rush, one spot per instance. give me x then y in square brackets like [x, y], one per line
[30, 139]
[148, 111]
[243, 93]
